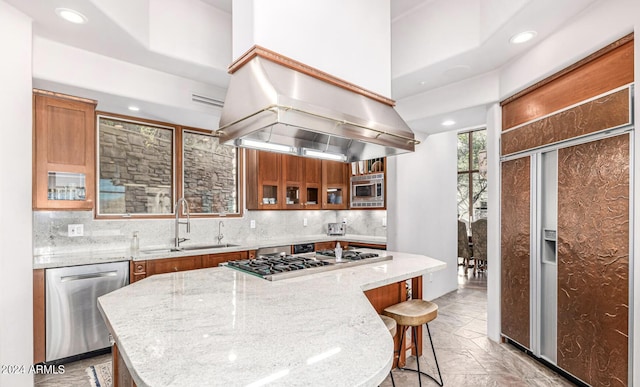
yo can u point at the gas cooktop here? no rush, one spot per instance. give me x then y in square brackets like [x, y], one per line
[349, 255]
[281, 266]
[269, 265]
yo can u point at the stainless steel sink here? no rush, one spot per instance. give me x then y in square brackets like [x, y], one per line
[204, 247]
[155, 251]
[187, 248]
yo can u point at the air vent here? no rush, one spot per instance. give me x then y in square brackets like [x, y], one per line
[207, 100]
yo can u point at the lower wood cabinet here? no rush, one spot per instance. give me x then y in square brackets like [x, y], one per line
[143, 269]
[327, 245]
[356, 245]
[213, 260]
[39, 327]
[168, 265]
[344, 244]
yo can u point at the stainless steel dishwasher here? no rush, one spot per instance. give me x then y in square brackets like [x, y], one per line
[73, 321]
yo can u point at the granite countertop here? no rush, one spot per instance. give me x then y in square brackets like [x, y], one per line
[45, 261]
[219, 326]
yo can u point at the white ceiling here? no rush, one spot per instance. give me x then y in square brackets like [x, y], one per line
[434, 42]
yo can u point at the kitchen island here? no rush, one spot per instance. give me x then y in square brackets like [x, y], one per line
[218, 326]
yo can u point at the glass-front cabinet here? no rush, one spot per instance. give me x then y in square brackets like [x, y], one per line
[264, 180]
[64, 176]
[334, 184]
[280, 181]
[66, 186]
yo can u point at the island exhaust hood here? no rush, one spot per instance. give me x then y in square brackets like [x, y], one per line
[276, 103]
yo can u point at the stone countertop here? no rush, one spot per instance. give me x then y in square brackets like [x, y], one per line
[219, 326]
[45, 261]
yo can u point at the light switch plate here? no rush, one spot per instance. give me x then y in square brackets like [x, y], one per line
[304, 222]
[252, 224]
[75, 230]
[384, 221]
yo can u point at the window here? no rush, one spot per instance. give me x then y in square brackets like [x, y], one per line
[135, 168]
[210, 174]
[472, 181]
[137, 174]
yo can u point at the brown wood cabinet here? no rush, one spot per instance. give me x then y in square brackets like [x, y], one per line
[327, 245]
[168, 265]
[264, 180]
[278, 181]
[335, 185]
[302, 179]
[137, 270]
[313, 183]
[213, 260]
[376, 246]
[143, 269]
[63, 152]
[39, 327]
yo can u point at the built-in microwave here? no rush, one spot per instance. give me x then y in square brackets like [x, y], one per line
[367, 191]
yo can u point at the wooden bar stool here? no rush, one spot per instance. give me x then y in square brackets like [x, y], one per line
[414, 313]
[392, 326]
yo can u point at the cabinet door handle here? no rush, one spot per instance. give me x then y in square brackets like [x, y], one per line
[175, 269]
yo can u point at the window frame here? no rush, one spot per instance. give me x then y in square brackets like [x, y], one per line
[178, 176]
[469, 172]
[239, 175]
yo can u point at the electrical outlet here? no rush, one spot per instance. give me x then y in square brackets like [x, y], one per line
[304, 222]
[75, 230]
[252, 224]
[384, 221]
[430, 277]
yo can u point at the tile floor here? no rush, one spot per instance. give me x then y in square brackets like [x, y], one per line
[465, 354]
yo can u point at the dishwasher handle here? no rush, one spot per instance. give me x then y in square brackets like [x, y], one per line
[76, 277]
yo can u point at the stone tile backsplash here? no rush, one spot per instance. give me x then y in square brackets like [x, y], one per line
[51, 229]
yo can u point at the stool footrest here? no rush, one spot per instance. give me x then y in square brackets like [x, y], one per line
[440, 383]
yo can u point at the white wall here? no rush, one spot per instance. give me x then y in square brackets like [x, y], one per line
[190, 30]
[16, 295]
[114, 82]
[330, 35]
[434, 32]
[422, 207]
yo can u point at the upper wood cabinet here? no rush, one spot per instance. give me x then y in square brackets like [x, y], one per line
[279, 181]
[63, 153]
[302, 179]
[335, 185]
[264, 180]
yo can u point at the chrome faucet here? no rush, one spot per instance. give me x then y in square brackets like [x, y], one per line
[183, 205]
[220, 236]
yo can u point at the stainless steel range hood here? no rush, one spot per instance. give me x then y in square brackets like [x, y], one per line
[291, 108]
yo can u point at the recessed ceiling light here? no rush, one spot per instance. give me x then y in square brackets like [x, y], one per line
[71, 15]
[422, 83]
[134, 108]
[448, 123]
[523, 37]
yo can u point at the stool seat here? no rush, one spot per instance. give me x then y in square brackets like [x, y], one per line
[391, 324]
[412, 312]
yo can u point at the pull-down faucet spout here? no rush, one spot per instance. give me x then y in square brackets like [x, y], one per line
[220, 236]
[181, 205]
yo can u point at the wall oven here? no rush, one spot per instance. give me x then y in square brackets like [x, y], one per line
[367, 191]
